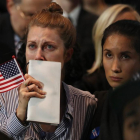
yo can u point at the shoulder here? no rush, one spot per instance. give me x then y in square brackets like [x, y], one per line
[101, 94]
[101, 97]
[77, 93]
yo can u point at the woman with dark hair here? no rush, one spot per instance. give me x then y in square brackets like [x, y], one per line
[49, 37]
[96, 80]
[121, 59]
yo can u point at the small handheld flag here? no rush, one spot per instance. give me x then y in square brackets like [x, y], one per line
[10, 75]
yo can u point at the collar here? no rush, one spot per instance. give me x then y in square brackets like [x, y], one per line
[17, 43]
[69, 97]
[74, 14]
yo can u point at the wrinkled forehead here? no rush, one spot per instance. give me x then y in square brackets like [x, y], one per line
[33, 6]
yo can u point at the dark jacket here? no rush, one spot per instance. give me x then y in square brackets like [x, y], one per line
[6, 31]
[105, 118]
[84, 27]
[97, 119]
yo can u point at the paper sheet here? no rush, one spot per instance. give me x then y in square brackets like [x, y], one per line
[45, 110]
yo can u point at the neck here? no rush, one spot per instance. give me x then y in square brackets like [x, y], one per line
[16, 30]
[96, 8]
[68, 6]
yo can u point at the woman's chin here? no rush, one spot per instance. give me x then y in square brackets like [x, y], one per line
[115, 85]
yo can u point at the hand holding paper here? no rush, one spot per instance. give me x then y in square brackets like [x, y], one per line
[28, 89]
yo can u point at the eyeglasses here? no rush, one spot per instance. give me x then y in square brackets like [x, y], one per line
[23, 14]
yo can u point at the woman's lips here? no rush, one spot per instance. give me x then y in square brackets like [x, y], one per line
[116, 79]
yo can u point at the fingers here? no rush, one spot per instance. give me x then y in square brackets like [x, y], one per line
[31, 80]
[28, 89]
[35, 94]
[35, 88]
[31, 88]
[27, 76]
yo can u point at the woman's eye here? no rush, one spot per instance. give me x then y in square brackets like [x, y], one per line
[32, 46]
[125, 56]
[48, 47]
[134, 125]
[108, 55]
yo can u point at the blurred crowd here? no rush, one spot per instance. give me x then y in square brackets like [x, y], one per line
[104, 58]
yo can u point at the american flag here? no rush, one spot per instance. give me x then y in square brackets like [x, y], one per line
[10, 76]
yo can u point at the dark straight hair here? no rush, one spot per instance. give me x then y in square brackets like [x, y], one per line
[127, 28]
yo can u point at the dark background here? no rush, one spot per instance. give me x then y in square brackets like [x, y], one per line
[134, 3]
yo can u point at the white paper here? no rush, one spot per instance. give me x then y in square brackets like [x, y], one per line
[45, 110]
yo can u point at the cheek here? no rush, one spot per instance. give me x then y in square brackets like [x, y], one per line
[57, 57]
[60, 58]
[53, 57]
[127, 134]
[131, 133]
[18, 20]
[23, 24]
[107, 66]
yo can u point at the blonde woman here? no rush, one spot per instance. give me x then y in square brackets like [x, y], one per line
[112, 14]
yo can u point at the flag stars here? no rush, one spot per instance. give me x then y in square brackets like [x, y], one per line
[9, 69]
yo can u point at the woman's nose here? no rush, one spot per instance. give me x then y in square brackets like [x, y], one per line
[116, 66]
[39, 54]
